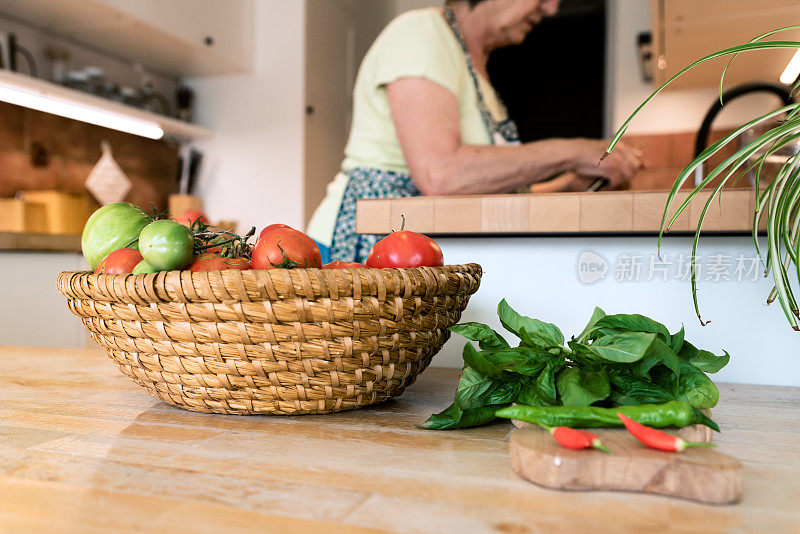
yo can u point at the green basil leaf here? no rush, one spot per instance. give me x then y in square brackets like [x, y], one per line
[503, 393]
[483, 334]
[708, 362]
[704, 360]
[447, 418]
[478, 416]
[579, 388]
[480, 362]
[472, 386]
[630, 389]
[541, 390]
[504, 363]
[633, 323]
[676, 340]
[538, 332]
[696, 388]
[596, 316]
[665, 356]
[622, 348]
[452, 417]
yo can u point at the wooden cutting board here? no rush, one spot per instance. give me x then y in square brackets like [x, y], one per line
[700, 474]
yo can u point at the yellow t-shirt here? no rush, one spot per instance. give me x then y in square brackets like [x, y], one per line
[416, 44]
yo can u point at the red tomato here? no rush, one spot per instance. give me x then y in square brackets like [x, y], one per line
[405, 249]
[271, 228]
[285, 248]
[188, 217]
[343, 265]
[120, 261]
[215, 262]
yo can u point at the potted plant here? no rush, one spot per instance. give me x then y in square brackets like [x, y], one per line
[779, 200]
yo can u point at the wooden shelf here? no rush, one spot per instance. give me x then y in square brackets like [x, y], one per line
[184, 38]
[172, 127]
[555, 213]
[40, 242]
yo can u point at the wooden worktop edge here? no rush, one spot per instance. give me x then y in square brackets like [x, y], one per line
[40, 242]
[552, 213]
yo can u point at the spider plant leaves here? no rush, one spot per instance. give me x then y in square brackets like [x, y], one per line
[762, 45]
[753, 40]
[779, 202]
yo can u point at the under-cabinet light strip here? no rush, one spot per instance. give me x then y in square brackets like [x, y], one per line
[41, 101]
[792, 70]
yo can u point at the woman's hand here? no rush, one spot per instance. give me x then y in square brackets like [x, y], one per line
[618, 168]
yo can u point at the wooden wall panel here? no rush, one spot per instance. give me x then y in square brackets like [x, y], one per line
[40, 151]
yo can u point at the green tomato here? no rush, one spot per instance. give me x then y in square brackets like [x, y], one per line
[166, 245]
[111, 228]
[143, 268]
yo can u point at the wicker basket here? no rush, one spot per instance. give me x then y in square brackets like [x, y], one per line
[272, 342]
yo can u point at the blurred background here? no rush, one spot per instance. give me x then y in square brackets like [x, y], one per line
[242, 108]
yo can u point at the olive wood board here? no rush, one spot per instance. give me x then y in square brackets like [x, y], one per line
[700, 474]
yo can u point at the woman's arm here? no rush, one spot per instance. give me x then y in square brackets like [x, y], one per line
[426, 119]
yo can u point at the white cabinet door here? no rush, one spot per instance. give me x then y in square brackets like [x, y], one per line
[223, 28]
[32, 312]
[338, 34]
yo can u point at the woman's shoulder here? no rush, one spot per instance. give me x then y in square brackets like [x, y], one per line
[417, 22]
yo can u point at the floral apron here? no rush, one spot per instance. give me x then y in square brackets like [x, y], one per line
[378, 183]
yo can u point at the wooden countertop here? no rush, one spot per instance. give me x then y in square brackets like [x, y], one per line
[40, 242]
[83, 449]
[552, 213]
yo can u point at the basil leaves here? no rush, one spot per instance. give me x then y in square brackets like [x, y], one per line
[616, 360]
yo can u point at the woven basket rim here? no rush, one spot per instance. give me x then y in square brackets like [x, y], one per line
[273, 284]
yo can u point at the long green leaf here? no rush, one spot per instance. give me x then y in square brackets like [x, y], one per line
[725, 52]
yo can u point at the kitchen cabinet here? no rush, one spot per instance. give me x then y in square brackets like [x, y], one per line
[179, 37]
[32, 312]
[686, 30]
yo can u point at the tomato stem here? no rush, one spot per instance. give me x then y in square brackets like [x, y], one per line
[403, 223]
[286, 263]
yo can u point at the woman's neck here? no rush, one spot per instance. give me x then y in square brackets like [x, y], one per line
[475, 34]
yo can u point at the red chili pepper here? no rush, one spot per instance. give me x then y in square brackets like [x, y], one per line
[572, 438]
[656, 439]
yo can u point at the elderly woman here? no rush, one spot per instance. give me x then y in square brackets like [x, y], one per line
[426, 121]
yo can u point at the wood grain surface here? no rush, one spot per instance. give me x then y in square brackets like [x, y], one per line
[701, 474]
[83, 449]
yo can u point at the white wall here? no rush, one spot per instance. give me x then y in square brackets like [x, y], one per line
[253, 167]
[671, 111]
[538, 277]
[406, 5]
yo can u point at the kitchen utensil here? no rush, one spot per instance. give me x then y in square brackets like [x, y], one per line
[107, 182]
[184, 97]
[64, 213]
[17, 215]
[700, 474]
[278, 341]
[180, 204]
[195, 158]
